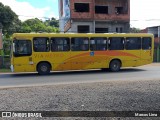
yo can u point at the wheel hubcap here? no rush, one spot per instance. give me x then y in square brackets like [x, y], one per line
[115, 66]
[44, 68]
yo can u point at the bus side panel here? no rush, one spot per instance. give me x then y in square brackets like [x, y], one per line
[130, 58]
[147, 55]
[24, 66]
[56, 59]
[86, 60]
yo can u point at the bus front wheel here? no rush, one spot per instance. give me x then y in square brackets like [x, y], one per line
[115, 65]
[43, 68]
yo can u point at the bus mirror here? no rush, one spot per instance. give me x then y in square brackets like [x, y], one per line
[14, 47]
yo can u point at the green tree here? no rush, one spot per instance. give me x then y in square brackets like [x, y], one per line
[9, 23]
[33, 25]
[52, 22]
[36, 25]
[8, 20]
[135, 30]
[25, 28]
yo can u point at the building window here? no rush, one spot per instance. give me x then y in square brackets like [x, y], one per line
[101, 9]
[101, 30]
[116, 30]
[98, 44]
[80, 44]
[121, 30]
[83, 29]
[81, 7]
[41, 44]
[118, 10]
[60, 44]
[116, 43]
[133, 43]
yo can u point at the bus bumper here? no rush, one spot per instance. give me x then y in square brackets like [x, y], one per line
[12, 68]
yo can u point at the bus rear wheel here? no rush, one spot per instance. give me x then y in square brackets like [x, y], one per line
[43, 68]
[115, 66]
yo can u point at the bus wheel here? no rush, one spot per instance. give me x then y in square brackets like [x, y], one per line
[115, 66]
[43, 68]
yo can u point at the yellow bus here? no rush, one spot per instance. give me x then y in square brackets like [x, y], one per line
[45, 52]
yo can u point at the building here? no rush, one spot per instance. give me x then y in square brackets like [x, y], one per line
[94, 16]
[155, 30]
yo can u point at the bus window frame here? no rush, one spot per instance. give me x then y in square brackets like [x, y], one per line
[109, 42]
[15, 53]
[129, 46]
[80, 45]
[48, 45]
[68, 45]
[97, 45]
[150, 46]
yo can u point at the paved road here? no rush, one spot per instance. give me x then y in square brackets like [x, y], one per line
[132, 89]
[148, 72]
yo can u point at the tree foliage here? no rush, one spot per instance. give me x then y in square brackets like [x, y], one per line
[52, 22]
[10, 23]
[8, 19]
[135, 30]
[36, 25]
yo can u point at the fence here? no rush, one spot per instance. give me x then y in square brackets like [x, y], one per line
[5, 54]
[5, 62]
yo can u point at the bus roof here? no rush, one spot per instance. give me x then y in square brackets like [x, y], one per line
[82, 35]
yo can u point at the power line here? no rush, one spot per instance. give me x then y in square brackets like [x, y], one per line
[35, 17]
[45, 17]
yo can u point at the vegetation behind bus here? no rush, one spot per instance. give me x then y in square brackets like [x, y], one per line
[10, 23]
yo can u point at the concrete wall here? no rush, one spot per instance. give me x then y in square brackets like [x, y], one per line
[75, 24]
[112, 26]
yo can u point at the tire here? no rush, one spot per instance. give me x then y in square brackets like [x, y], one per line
[43, 68]
[115, 66]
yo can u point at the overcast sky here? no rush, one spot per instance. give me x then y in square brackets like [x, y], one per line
[144, 13]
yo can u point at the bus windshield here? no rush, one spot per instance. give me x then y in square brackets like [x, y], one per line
[22, 48]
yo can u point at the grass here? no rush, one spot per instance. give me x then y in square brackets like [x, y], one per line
[4, 70]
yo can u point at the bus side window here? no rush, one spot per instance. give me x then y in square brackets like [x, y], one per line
[133, 43]
[146, 43]
[41, 44]
[116, 43]
[60, 44]
[79, 44]
[92, 44]
[98, 44]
